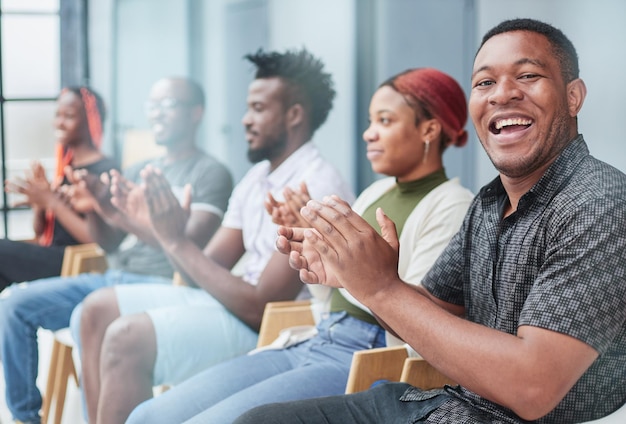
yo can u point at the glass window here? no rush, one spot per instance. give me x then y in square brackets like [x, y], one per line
[30, 67]
[49, 6]
[29, 127]
[20, 225]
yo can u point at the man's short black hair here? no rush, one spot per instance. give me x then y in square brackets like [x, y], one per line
[561, 45]
[307, 83]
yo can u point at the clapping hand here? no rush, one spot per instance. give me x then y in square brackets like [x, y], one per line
[168, 216]
[34, 186]
[342, 249]
[287, 213]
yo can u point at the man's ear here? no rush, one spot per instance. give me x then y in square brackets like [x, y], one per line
[295, 115]
[576, 93]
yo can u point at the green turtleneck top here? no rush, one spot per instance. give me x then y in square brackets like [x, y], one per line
[397, 203]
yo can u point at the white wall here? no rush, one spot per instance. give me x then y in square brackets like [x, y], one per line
[153, 41]
[596, 27]
[327, 29]
[214, 136]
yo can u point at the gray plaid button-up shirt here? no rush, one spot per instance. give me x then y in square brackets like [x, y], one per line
[558, 262]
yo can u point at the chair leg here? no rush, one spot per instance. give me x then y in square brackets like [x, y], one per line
[67, 368]
[52, 377]
[61, 370]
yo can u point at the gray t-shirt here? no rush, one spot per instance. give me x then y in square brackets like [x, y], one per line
[211, 184]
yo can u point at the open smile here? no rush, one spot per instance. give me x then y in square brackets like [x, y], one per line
[507, 125]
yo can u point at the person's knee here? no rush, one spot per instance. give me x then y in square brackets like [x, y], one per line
[99, 309]
[127, 344]
[14, 302]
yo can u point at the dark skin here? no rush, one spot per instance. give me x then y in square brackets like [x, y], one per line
[115, 208]
[132, 337]
[516, 75]
[40, 193]
[288, 212]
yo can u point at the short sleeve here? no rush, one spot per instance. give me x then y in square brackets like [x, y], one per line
[212, 187]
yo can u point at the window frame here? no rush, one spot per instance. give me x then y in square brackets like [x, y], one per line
[74, 70]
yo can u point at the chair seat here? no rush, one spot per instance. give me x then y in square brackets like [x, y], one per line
[64, 336]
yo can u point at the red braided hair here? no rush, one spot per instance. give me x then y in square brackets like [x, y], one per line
[64, 154]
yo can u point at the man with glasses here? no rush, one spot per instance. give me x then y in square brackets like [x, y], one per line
[175, 110]
[134, 337]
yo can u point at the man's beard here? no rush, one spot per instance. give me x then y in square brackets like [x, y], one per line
[273, 149]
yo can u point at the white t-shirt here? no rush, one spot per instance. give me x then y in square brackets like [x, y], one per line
[246, 210]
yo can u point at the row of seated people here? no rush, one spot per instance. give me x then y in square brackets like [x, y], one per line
[473, 306]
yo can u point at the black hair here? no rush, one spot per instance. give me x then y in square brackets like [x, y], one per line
[561, 45]
[308, 84]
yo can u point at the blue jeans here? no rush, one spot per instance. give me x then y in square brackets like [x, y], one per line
[317, 367]
[45, 303]
[380, 404]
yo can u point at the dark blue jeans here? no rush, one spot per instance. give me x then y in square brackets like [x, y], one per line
[380, 404]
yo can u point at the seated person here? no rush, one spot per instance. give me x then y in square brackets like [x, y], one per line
[134, 338]
[79, 118]
[526, 307]
[414, 117]
[134, 255]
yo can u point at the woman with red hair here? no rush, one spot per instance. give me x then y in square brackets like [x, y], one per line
[414, 117]
[78, 130]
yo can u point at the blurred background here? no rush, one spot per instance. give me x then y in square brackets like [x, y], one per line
[121, 47]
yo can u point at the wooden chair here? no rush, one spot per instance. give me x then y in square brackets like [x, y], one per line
[280, 315]
[372, 365]
[138, 145]
[368, 366]
[392, 364]
[76, 260]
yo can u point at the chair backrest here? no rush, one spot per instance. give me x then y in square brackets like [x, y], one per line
[139, 145]
[80, 258]
[280, 315]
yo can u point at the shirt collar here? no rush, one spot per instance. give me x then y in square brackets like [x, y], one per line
[285, 172]
[555, 176]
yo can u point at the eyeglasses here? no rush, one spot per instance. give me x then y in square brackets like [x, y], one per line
[167, 104]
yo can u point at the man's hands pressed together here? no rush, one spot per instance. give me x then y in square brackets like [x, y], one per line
[341, 249]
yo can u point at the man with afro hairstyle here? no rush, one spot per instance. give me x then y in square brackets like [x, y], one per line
[138, 338]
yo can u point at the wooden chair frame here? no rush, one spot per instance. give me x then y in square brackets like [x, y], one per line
[77, 259]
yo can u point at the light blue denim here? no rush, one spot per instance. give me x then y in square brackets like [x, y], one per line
[45, 303]
[317, 367]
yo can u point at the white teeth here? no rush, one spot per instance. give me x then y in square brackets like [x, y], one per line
[513, 121]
